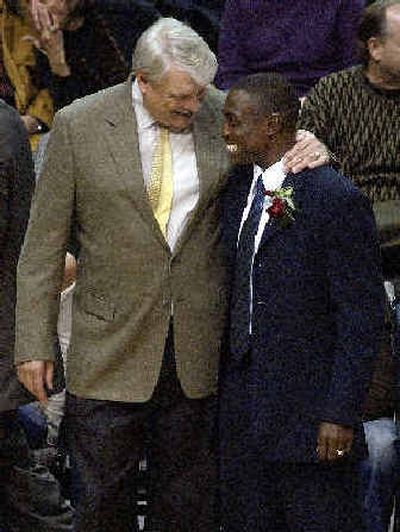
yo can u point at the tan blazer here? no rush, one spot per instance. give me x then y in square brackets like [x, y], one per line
[127, 277]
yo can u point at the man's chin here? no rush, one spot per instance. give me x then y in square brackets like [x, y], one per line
[181, 124]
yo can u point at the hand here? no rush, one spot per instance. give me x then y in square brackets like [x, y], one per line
[333, 438]
[32, 124]
[308, 152]
[35, 375]
[52, 44]
[42, 18]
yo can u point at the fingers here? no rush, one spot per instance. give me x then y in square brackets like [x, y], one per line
[49, 375]
[334, 442]
[33, 40]
[49, 43]
[41, 16]
[322, 450]
[308, 152]
[34, 375]
[346, 444]
[327, 446]
[334, 450]
[47, 21]
[34, 13]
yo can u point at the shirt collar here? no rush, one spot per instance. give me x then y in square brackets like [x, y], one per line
[273, 176]
[143, 117]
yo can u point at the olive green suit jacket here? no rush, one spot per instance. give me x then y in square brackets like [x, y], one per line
[127, 276]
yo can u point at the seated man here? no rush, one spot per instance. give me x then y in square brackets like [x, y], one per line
[306, 320]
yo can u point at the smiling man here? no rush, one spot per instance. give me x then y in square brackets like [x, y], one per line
[305, 323]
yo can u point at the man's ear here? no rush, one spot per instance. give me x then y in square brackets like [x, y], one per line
[142, 81]
[273, 124]
[374, 48]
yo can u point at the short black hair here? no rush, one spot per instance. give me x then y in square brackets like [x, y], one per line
[272, 94]
[373, 24]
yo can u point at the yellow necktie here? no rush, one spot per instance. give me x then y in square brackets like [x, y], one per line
[161, 186]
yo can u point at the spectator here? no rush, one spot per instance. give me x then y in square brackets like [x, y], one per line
[17, 63]
[302, 40]
[79, 53]
[306, 317]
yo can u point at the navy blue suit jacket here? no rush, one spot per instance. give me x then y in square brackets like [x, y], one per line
[317, 320]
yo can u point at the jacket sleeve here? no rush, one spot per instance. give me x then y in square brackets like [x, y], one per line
[358, 302]
[41, 266]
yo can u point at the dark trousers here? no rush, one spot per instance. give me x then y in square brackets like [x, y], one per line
[107, 439]
[295, 498]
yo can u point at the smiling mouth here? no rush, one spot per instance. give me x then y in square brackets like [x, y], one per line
[232, 148]
[183, 114]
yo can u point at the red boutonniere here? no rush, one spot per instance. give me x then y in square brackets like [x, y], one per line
[283, 207]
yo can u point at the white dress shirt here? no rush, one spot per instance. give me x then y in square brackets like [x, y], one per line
[273, 178]
[184, 167]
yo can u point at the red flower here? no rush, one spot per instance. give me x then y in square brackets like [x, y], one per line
[277, 209]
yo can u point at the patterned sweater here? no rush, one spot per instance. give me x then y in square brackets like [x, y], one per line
[361, 125]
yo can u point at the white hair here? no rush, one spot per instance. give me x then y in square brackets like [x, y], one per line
[169, 42]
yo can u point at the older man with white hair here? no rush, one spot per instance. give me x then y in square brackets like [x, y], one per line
[140, 165]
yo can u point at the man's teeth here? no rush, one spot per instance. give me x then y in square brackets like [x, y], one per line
[232, 148]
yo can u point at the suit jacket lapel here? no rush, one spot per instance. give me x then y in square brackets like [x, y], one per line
[122, 139]
[273, 226]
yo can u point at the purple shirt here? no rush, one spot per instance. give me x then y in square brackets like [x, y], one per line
[302, 39]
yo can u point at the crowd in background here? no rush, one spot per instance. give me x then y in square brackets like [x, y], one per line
[59, 50]
[55, 51]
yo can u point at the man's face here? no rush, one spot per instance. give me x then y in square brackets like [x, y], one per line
[244, 129]
[387, 50]
[173, 100]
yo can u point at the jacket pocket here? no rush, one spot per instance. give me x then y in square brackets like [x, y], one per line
[97, 306]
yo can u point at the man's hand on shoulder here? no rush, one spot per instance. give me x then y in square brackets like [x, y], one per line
[308, 152]
[37, 377]
[334, 441]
